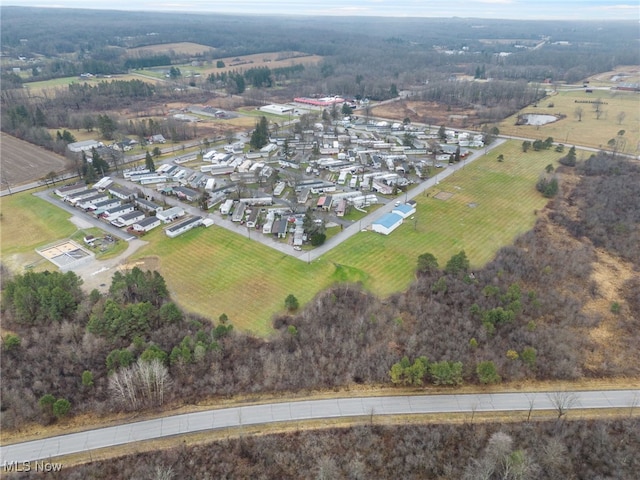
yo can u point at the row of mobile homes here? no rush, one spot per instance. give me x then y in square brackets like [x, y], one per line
[183, 226]
[171, 214]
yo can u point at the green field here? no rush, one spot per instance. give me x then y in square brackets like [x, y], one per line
[589, 131]
[27, 222]
[214, 271]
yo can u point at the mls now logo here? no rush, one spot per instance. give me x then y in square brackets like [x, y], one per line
[46, 467]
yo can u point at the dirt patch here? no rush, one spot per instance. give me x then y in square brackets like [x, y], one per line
[609, 275]
[430, 113]
[443, 195]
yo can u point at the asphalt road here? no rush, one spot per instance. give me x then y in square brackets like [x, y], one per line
[52, 447]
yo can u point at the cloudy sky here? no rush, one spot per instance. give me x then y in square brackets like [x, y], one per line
[513, 9]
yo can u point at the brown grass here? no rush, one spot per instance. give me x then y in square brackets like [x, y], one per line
[179, 48]
[24, 162]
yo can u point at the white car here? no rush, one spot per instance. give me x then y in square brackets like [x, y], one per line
[297, 248]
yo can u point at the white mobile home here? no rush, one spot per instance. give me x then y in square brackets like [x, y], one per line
[169, 215]
[183, 226]
[127, 219]
[226, 207]
[146, 224]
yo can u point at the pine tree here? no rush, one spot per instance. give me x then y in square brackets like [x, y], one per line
[148, 162]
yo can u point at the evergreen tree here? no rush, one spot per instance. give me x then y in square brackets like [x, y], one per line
[148, 162]
[260, 136]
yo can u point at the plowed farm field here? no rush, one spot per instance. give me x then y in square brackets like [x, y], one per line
[23, 162]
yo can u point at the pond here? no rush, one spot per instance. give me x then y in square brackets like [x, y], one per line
[535, 119]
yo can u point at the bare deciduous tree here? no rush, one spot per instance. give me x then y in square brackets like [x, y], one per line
[142, 384]
[563, 402]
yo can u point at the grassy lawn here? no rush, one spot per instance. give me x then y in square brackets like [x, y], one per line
[589, 131]
[214, 271]
[503, 199]
[27, 222]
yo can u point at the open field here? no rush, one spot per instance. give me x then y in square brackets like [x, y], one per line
[51, 85]
[23, 162]
[589, 131]
[28, 222]
[214, 271]
[491, 204]
[179, 48]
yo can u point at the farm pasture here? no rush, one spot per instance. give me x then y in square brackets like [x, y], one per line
[23, 162]
[589, 131]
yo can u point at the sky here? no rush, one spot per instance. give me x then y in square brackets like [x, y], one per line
[508, 9]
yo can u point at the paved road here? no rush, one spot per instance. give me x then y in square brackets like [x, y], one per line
[309, 410]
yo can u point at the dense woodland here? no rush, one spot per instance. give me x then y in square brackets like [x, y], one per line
[522, 316]
[557, 450]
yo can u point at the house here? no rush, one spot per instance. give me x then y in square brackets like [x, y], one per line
[279, 228]
[147, 205]
[185, 193]
[115, 212]
[78, 197]
[86, 203]
[184, 226]
[404, 210]
[342, 207]
[156, 139]
[253, 217]
[103, 183]
[100, 207]
[128, 219]
[146, 224]
[387, 223]
[84, 146]
[70, 190]
[169, 215]
[122, 193]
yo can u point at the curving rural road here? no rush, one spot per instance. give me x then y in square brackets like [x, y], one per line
[49, 448]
